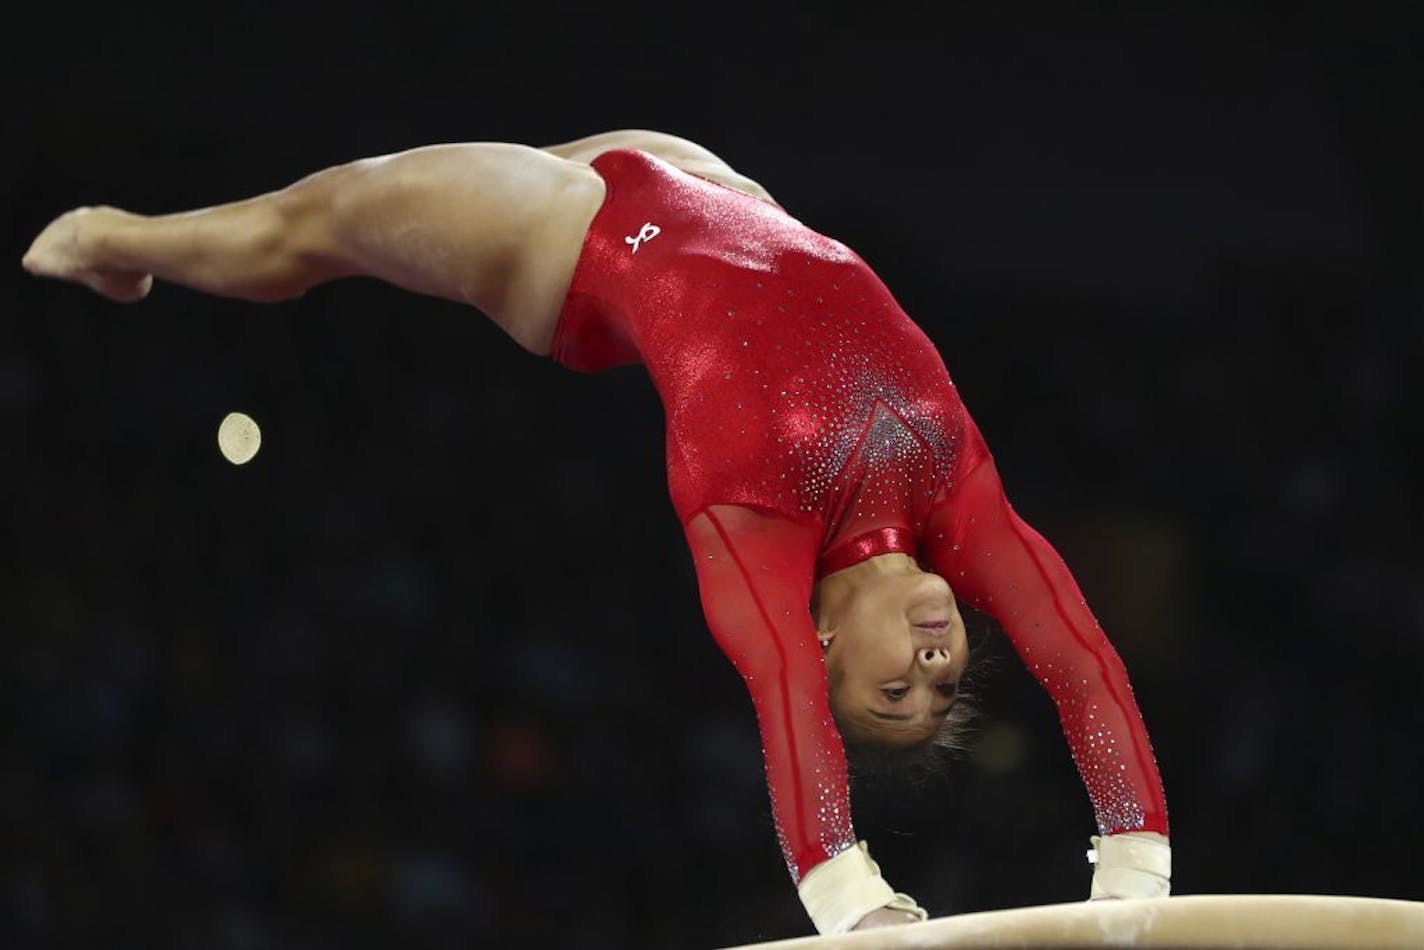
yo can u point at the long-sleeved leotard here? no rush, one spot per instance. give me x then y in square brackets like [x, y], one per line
[811, 425]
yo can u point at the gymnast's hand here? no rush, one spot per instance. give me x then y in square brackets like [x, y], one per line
[1130, 865]
[847, 893]
[72, 248]
[886, 917]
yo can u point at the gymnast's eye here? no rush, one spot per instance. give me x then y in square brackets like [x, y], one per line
[947, 690]
[896, 693]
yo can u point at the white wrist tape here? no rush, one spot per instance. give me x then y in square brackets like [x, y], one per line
[1130, 865]
[839, 892]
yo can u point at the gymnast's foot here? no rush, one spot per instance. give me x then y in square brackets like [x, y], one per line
[71, 249]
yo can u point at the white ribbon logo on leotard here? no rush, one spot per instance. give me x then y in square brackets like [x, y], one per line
[646, 233]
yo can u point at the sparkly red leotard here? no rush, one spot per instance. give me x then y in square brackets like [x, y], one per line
[811, 425]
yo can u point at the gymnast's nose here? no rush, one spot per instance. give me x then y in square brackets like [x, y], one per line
[934, 659]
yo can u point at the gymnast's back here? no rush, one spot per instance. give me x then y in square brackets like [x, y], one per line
[775, 350]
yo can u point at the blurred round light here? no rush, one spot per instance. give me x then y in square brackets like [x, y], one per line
[239, 438]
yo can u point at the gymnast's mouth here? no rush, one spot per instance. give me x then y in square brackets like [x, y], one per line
[932, 624]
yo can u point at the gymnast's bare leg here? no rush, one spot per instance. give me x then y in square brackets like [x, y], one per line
[494, 225]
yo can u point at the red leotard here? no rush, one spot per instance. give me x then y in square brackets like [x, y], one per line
[812, 425]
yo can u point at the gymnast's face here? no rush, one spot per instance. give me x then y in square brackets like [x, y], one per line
[897, 650]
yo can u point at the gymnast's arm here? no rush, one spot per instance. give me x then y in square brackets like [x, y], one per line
[495, 225]
[998, 564]
[755, 571]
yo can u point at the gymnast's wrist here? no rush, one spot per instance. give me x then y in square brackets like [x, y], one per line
[1133, 864]
[840, 892]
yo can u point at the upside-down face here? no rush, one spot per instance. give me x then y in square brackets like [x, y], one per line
[896, 651]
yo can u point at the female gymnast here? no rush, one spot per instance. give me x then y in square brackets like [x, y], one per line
[835, 494]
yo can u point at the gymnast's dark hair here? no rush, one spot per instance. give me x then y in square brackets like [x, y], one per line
[874, 764]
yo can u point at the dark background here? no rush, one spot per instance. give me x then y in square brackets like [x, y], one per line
[430, 671]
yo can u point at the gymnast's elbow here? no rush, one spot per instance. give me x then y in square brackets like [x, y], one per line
[759, 668]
